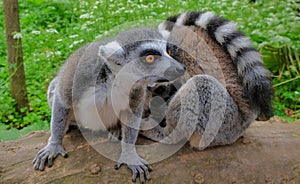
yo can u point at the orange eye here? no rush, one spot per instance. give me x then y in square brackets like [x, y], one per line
[150, 58]
[169, 51]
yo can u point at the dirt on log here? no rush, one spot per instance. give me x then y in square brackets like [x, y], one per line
[269, 152]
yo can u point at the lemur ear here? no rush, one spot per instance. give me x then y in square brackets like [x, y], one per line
[162, 28]
[113, 55]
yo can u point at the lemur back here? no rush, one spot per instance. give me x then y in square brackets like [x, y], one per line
[246, 78]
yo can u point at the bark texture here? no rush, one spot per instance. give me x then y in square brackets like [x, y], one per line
[269, 152]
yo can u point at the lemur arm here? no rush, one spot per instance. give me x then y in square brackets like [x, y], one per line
[130, 130]
[54, 146]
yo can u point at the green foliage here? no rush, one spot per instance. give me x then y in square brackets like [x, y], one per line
[286, 73]
[7, 133]
[53, 29]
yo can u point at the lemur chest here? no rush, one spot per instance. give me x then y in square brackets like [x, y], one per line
[95, 110]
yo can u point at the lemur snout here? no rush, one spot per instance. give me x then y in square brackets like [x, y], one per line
[180, 70]
[175, 71]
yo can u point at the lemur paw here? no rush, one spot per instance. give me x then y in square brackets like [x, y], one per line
[47, 155]
[138, 166]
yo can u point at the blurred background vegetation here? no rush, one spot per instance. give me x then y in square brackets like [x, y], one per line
[53, 29]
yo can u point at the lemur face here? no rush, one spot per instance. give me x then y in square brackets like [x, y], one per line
[147, 56]
[154, 62]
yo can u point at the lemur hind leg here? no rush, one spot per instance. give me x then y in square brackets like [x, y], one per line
[203, 112]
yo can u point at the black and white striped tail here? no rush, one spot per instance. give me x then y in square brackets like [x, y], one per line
[255, 77]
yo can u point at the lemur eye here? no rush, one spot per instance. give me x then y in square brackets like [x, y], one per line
[150, 58]
[169, 51]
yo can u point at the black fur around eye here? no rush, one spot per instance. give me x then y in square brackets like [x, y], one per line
[150, 52]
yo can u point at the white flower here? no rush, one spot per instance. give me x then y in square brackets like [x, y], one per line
[49, 54]
[75, 43]
[17, 36]
[51, 30]
[86, 24]
[83, 4]
[73, 36]
[35, 32]
[86, 16]
[59, 40]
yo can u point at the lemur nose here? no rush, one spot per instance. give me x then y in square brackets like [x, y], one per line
[176, 70]
[180, 70]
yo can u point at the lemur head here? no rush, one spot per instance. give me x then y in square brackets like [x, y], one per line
[145, 51]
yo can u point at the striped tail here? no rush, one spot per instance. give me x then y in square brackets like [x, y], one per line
[255, 78]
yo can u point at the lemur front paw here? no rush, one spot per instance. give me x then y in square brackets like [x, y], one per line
[138, 166]
[47, 155]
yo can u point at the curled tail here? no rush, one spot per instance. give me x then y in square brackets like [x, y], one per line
[255, 78]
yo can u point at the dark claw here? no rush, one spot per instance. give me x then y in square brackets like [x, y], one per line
[134, 176]
[41, 167]
[149, 167]
[50, 161]
[118, 165]
[65, 155]
[36, 166]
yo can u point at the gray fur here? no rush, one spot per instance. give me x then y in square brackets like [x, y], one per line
[202, 110]
[86, 81]
[255, 77]
[214, 115]
[203, 117]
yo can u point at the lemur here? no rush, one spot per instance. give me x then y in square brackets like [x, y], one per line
[216, 111]
[108, 79]
[210, 110]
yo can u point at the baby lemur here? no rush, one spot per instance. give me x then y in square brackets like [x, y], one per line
[108, 79]
[217, 103]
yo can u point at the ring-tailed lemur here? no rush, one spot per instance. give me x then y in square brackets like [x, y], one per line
[212, 96]
[108, 79]
[204, 110]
